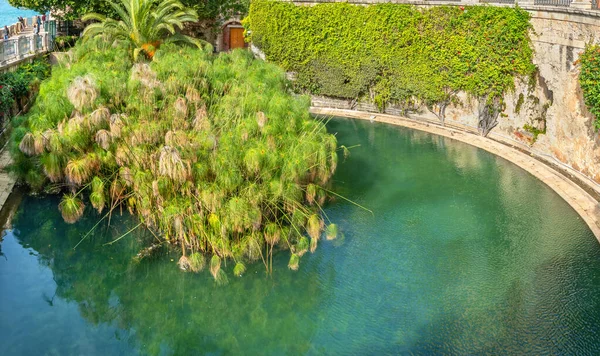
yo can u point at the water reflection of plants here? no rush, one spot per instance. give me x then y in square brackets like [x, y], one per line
[210, 152]
[153, 304]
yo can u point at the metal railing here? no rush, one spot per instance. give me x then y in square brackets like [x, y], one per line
[497, 1]
[561, 3]
[67, 28]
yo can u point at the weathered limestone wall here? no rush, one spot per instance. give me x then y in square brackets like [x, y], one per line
[553, 103]
[570, 136]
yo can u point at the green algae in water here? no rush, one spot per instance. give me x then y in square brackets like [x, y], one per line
[465, 254]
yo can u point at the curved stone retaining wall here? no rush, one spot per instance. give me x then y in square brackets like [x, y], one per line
[584, 202]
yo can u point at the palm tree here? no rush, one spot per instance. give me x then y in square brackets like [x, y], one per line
[144, 24]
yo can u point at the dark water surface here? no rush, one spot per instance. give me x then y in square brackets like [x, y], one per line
[465, 254]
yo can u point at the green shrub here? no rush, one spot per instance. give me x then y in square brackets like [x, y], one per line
[17, 84]
[206, 150]
[7, 98]
[65, 42]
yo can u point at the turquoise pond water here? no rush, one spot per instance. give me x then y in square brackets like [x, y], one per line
[465, 254]
[9, 14]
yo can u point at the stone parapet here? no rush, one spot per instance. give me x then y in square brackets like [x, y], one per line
[585, 7]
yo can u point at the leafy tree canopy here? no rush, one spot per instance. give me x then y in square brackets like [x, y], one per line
[67, 9]
[72, 9]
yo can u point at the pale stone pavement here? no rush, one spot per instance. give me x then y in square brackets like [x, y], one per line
[7, 182]
[583, 203]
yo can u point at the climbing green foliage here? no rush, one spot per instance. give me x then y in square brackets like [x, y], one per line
[391, 53]
[211, 153]
[589, 79]
[534, 131]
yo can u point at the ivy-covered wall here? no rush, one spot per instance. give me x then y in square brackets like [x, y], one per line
[394, 53]
[589, 79]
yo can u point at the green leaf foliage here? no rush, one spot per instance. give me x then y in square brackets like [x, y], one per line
[143, 24]
[67, 9]
[17, 84]
[589, 79]
[73, 9]
[392, 53]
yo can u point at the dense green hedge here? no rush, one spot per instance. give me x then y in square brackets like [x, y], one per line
[396, 53]
[589, 79]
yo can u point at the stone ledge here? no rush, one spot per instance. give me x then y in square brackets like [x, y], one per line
[529, 7]
[579, 199]
[7, 181]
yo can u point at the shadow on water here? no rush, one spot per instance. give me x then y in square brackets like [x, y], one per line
[157, 308]
[8, 211]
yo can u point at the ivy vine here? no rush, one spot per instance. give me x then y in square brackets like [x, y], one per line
[398, 53]
[589, 79]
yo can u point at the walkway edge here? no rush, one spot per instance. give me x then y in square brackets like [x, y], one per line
[580, 200]
[7, 181]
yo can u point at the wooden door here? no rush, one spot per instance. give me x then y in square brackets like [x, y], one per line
[236, 38]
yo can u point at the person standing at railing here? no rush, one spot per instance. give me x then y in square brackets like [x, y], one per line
[6, 32]
[38, 19]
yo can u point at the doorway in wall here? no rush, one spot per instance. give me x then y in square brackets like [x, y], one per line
[236, 38]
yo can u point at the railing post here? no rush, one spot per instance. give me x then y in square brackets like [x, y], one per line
[17, 48]
[582, 4]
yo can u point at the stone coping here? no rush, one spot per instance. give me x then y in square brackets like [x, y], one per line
[526, 5]
[579, 199]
